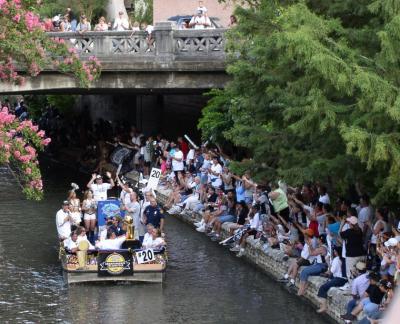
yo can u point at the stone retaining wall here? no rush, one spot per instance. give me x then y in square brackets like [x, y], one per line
[272, 263]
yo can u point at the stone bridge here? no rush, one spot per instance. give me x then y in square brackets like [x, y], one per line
[177, 61]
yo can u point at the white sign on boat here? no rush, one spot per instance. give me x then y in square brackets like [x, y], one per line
[145, 256]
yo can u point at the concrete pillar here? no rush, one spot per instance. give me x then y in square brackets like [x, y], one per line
[164, 40]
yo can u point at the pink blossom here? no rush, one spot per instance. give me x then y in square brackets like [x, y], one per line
[41, 133]
[28, 171]
[17, 18]
[46, 141]
[17, 154]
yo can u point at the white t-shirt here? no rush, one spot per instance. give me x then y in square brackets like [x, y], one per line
[111, 244]
[121, 24]
[153, 243]
[364, 215]
[190, 155]
[178, 165]
[324, 199]
[336, 267]
[69, 244]
[215, 179]
[200, 21]
[100, 191]
[63, 229]
[255, 222]
[344, 228]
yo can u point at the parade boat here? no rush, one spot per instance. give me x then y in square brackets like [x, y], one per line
[131, 263]
[124, 265]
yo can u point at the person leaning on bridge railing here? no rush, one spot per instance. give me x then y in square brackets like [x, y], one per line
[102, 25]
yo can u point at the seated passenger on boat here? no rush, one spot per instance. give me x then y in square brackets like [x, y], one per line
[81, 232]
[153, 215]
[154, 241]
[112, 242]
[63, 221]
[71, 243]
[100, 188]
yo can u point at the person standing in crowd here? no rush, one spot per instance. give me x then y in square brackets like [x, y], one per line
[99, 188]
[353, 238]
[133, 210]
[121, 23]
[65, 24]
[63, 221]
[102, 25]
[74, 208]
[153, 215]
[84, 25]
[72, 19]
[177, 162]
[199, 21]
[280, 202]
[89, 214]
[232, 21]
[184, 147]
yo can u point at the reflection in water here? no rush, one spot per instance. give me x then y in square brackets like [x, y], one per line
[204, 283]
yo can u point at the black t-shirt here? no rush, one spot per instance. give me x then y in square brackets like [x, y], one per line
[375, 294]
[354, 242]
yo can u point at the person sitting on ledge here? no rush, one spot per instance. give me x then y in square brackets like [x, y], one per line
[112, 242]
[319, 265]
[148, 236]
[337, 279]
[304, 260]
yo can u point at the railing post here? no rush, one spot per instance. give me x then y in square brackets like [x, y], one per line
[164, 41]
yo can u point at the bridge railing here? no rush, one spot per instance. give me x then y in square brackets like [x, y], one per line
[165, 43]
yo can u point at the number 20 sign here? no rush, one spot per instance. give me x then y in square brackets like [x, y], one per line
[145, 256]
[154, 178]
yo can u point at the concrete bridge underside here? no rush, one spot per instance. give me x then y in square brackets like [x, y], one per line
[122, 82]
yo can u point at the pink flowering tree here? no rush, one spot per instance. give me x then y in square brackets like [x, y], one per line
[20, 143]
[24, 44]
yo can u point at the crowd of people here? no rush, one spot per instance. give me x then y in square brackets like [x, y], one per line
[71, 22]
[77, 220]
[351, 243]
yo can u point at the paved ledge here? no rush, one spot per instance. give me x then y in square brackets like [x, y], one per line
[272, 263]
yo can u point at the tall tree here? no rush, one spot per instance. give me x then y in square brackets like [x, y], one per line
[315, 92]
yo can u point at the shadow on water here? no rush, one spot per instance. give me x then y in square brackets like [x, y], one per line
[204, 283]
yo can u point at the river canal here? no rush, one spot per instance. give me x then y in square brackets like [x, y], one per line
[204, 283]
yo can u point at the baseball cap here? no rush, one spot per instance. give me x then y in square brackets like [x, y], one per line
[392, 242]
[99, 177]
[65, 203]
[352, 220]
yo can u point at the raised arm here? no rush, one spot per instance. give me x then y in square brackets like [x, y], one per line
[89, 184]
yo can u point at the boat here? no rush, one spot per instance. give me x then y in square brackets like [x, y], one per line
[124, 265]
[131, 263]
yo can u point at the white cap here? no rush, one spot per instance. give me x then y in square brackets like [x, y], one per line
[391, 242]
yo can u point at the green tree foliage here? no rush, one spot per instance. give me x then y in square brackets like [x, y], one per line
[315, 92]
[91, 8]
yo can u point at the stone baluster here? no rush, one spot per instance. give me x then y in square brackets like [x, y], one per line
[164, 41]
